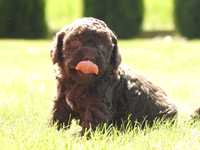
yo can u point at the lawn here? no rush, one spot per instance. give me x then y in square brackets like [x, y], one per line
[27, 88]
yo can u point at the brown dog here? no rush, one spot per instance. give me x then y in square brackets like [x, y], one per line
[91, 85]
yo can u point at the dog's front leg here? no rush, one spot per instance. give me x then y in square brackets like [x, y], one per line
[61, 115]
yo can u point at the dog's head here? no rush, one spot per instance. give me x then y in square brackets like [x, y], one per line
[85, 50]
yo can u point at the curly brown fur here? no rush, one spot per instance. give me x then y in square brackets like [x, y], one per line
[113, 94]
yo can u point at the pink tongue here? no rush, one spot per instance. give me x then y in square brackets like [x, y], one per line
[87, 67]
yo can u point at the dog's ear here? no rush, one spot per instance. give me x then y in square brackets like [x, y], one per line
[56, 51]
[116, 57]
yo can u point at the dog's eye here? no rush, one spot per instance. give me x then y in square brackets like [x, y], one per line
[64, 55]
[101, 46]
[68, 52]
[75, 44]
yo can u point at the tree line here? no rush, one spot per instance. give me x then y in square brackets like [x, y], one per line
[26, 18]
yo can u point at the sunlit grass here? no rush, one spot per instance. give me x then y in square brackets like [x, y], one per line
[27, 88]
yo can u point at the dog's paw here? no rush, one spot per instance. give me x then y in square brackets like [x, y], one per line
[95, 115]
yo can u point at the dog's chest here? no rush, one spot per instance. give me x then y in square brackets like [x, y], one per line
[81, 98]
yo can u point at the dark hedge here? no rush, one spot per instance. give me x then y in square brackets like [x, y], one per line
[187, 17]
[22, 19]
[124, 17]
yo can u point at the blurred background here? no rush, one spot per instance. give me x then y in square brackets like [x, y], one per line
[128, 18]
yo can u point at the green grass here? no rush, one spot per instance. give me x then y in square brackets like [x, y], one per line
[27, 88]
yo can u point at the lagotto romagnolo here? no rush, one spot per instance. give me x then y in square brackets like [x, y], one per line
[93, 87]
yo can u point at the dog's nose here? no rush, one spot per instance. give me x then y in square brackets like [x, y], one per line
[90, 58]
[88, 55]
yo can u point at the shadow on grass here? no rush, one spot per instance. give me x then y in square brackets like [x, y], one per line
[156, 33]
[143, 35]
